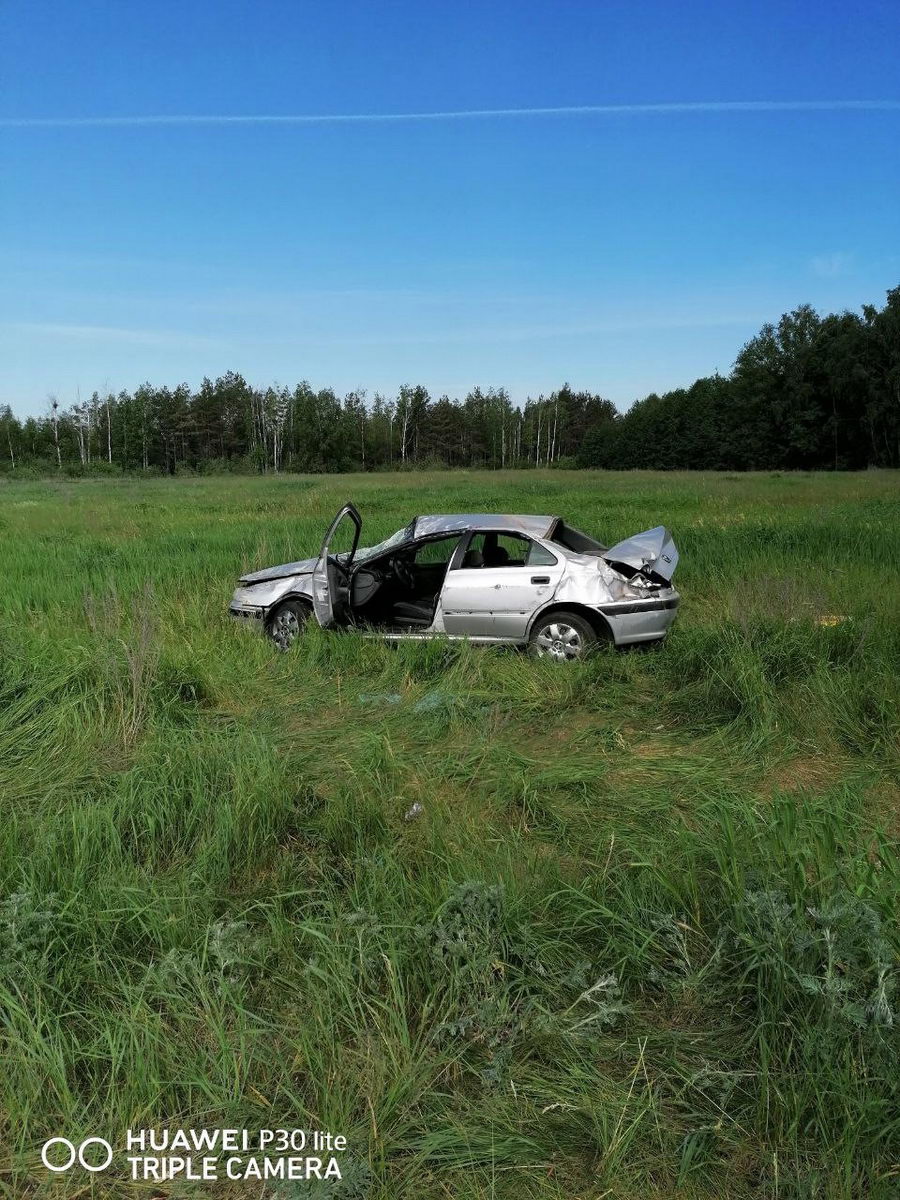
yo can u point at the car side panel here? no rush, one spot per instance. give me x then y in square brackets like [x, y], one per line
[496, 602]
[468, 598]
[643, 620]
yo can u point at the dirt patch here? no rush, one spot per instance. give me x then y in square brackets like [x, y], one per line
[805, 774]
[884, 797]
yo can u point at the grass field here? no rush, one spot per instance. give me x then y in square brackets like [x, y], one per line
[641, 942]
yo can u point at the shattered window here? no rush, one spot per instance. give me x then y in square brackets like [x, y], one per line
[396, 539]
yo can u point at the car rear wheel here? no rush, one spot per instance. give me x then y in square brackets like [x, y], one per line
[286, 623]
[562, 637]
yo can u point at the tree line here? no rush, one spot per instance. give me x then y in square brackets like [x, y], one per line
[809, 392]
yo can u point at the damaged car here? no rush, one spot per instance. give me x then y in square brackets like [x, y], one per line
[522, 580]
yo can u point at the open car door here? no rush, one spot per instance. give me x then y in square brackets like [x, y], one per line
[331, 572]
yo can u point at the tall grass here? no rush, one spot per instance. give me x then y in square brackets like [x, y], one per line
[640, 938]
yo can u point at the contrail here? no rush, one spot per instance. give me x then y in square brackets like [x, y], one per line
[579, 110]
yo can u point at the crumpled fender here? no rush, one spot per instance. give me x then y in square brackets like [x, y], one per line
[588, 580]
[270, 591]
[285, 571]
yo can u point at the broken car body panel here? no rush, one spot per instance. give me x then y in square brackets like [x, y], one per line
[652, 552]
[483, 577]
[286, 571]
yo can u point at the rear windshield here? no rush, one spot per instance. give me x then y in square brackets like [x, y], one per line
[575, 540]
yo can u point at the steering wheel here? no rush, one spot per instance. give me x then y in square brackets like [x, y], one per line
[403, 572]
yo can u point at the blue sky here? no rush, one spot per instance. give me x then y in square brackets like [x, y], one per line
[622, 251]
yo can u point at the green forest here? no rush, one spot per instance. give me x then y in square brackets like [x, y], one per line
[809, 392]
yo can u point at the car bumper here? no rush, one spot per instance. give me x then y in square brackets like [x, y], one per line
[641, 620]
[250, 617]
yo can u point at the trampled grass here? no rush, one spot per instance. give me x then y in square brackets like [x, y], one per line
[641, 941]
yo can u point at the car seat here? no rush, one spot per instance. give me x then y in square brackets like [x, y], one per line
[413, 612]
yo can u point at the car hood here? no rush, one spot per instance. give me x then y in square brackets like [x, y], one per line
[285, 571]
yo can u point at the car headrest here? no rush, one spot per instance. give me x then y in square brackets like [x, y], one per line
[473, 558]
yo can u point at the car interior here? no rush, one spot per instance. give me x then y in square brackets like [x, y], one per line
[401, 590]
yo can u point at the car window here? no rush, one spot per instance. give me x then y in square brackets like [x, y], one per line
[436, 553]
[505, 550]
[540, 556]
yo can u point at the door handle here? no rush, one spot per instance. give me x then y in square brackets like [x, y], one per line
[540, 579]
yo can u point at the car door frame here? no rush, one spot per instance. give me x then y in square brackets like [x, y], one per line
[411, 547]
[325, 585]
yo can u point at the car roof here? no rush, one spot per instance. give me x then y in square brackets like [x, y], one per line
[528, 523]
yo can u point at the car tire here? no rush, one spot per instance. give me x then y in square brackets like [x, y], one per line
[286, 623]
[562, 636]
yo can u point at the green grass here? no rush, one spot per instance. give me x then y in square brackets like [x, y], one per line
[641, 942]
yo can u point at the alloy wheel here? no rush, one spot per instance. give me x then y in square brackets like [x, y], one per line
[560, 642]
[285, 629]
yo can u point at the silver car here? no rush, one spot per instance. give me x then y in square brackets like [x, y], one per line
[480, 577]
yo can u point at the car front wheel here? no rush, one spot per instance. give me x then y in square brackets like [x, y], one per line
[561, 637]
[286, 623]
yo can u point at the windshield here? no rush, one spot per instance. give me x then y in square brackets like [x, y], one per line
[396, 539]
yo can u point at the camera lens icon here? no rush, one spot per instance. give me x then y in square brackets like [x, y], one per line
[74, 1152]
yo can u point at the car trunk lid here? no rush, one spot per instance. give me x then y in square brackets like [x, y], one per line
[651, 553]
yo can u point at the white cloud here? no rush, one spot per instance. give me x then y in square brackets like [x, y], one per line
[574, 110]
[832, 266]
